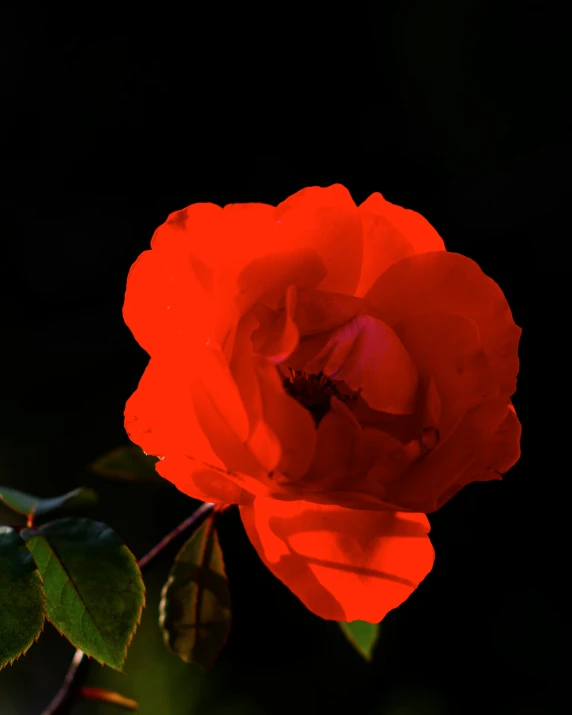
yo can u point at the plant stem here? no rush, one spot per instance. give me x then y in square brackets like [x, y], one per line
[70, 687]
[190, 521]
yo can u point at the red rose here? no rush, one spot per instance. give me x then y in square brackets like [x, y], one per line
[333, 371]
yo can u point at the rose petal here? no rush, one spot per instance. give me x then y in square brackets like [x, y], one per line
[505, 449]
[352, 466]
[451, 283]
[231, 448]
[165, 306]
[367, 355]
[391, 233]
[447, 348]
[327, 221]
[221, 388]
[336, 435]
[224, 239]
[202, 482]
[424, 483]
[266, 279]
[343, 564]
[160, 417]
[499, 453]
[311, 238]
[261, 441]
[291, 422]
[278, 336]
[194, 229]
[318, 311]
[242, 370]
[427, 413]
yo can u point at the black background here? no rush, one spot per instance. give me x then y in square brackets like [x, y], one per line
[453, 108]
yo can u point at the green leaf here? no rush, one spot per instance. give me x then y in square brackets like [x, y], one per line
[362, 635]
[195, 612]
[22, 597]
[130, 463]
[8, 517]
[94, 590]
[30, 505]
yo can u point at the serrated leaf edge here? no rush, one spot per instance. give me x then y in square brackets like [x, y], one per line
[44, 619]
[134, 630]
[36, 639]
[125, 647]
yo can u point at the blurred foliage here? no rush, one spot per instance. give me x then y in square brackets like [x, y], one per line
[29, 505]
[127, 462]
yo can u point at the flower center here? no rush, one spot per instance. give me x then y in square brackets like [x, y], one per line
[313, 391]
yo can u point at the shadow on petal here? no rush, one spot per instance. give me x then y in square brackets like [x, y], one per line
[342, 564]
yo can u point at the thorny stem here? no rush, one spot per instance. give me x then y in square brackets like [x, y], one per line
[70, 687]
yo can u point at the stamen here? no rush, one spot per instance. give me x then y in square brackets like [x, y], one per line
[312, 390]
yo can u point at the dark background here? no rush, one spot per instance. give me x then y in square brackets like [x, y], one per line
[453, 108]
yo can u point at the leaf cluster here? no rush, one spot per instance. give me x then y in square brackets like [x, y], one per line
[78, 574]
